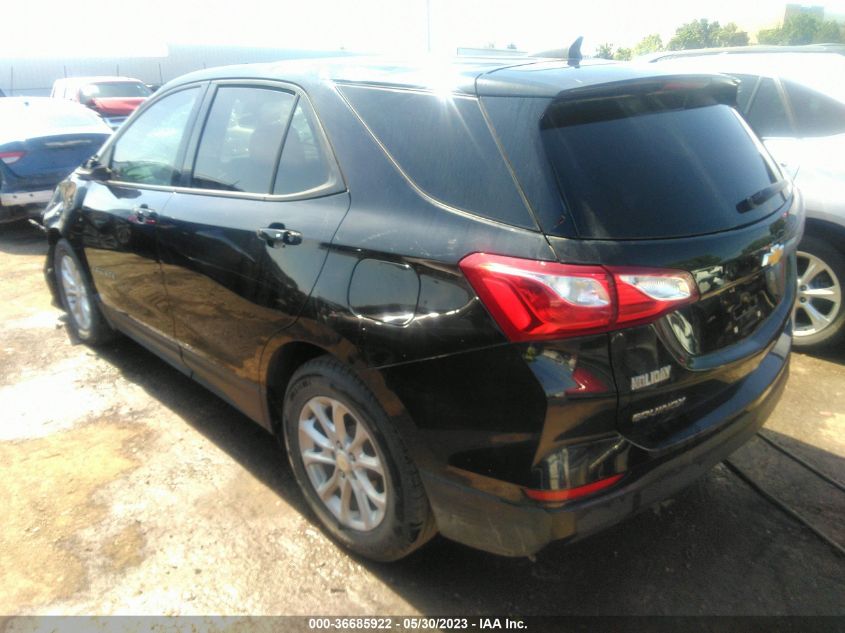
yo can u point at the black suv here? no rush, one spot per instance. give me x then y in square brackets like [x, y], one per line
[510, 301]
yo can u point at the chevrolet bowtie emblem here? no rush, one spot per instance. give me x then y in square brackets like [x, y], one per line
[774, 255]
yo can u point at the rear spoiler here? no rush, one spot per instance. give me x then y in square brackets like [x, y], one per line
[643, 95]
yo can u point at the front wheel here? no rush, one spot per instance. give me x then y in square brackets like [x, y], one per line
[818, 316]
[77, 297]
[352, 465]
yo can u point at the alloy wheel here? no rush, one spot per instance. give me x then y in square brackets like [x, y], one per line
[819, 296]
[343, 463]
[75, 293]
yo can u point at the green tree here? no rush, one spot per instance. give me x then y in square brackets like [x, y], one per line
[802, 28]
[649, 44]
[830, 32]
[604, 51]
[730, 35]
[696, 34]
[622, 54]
[771, 36]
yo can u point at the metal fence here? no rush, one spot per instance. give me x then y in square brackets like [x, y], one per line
[35, 76]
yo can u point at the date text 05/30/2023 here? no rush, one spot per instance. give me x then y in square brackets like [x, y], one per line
[410, 623]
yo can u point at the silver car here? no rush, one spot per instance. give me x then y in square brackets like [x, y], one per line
[795, 102]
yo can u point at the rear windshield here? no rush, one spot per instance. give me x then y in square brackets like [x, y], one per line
[657, 174]
[110, 89]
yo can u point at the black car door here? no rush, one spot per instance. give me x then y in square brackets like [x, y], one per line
[243, 240]
[120, 217]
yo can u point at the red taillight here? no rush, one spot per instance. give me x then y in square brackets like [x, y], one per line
[644, 295]
[568, 494]
[534, 300]
[11, 157]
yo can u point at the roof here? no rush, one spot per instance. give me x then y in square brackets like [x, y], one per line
[533, 77]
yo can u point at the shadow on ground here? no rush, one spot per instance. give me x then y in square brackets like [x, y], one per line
[832, 353]
[22, 238]
[718, 548]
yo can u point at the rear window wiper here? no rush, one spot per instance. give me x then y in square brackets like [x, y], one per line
[761, 197]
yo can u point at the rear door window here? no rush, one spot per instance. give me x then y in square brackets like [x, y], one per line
[659, 173]
[242, 138]
[815, 114]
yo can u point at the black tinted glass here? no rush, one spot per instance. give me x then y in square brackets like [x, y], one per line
[148, 150]
[444, 146]
[767, 115]
[662, 174]
[745, 90]
[306, 164]
[242, 139]
[815, 114]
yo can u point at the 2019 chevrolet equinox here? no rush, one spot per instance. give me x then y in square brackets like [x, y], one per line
[509, 301]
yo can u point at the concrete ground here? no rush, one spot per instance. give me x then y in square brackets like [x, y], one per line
[128, 489]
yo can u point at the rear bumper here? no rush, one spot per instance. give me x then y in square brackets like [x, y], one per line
[21, 198]
[468, 514]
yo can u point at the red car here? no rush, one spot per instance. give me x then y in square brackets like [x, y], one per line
[113, 98]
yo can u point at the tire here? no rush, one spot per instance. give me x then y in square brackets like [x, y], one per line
[404, 521]
[818, 319]
[78, 299]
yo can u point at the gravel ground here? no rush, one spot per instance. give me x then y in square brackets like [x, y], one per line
[128, 489]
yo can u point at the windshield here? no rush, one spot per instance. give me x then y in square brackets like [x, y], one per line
[112, 89]
[659, 174]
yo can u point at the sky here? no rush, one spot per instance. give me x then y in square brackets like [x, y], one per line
[399, 27]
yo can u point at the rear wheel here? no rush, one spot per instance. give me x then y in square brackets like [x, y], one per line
[351, 464]
[84, 317]
[818, 316]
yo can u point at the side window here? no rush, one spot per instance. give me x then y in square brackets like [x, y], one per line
[815, 114]
[747, 83]
[767, 116]
[148, 151]
[443, 145]
[242, 138]
[306, 162]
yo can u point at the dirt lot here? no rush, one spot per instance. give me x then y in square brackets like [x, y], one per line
[128, 489]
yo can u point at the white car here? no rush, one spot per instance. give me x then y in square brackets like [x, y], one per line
[795, 102]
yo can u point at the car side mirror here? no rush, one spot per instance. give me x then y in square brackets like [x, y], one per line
[97, 173]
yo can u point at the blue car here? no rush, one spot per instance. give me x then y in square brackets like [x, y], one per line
[42, 141]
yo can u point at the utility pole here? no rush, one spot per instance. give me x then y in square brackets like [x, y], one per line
[428, 23]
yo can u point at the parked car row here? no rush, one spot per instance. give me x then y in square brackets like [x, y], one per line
[42, 140]
[113, 98]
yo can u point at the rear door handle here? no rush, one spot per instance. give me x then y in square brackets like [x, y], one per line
[145, 215]
[280, 237]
